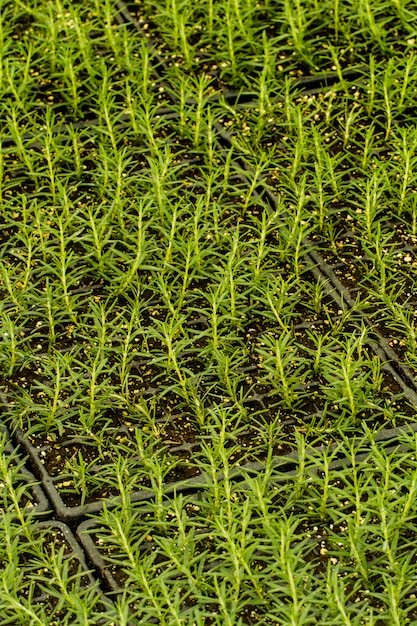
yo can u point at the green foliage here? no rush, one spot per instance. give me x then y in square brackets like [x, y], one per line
[163, 314]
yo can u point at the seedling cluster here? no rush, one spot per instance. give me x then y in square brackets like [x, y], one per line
[208, 352]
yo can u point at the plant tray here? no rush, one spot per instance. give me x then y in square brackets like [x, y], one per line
[35, 501]
[57, 538]
[284, 464]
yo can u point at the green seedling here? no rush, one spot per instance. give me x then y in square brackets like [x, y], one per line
[286, 370]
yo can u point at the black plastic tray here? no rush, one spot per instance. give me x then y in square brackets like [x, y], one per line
[285, 465]
[86, 530]
[74, 551]
[341, 296]
[41, 505]
[84, 537]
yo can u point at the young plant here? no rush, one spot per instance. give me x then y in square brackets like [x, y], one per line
[350, 378]
[286, 369]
